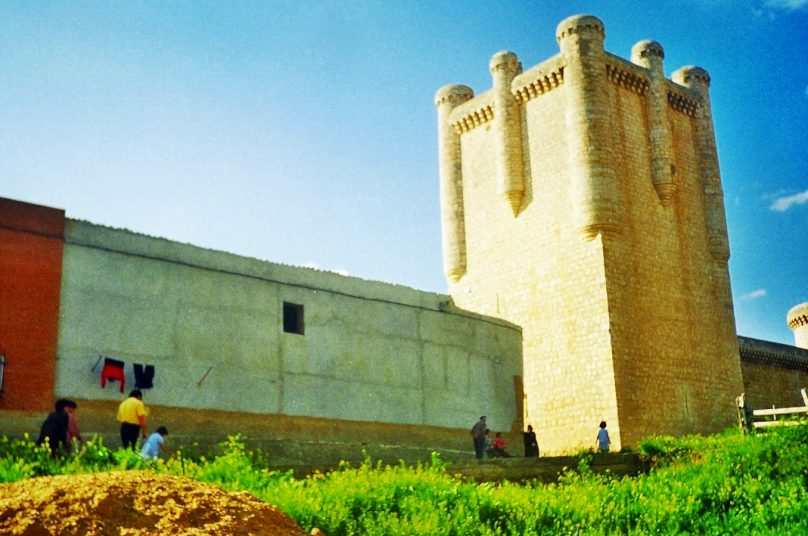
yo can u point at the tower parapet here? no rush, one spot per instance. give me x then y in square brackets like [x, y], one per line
[797, 319]
[451, 181]
[593, 182]
[649, 54]
[539, 79]
[504, 67]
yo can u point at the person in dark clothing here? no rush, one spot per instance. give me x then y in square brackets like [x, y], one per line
[531, 444]
[478, 435]
[54, 429]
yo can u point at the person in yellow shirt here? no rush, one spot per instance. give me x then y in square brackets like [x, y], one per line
[132, 414]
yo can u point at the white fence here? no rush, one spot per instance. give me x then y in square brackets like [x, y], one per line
[767, 418]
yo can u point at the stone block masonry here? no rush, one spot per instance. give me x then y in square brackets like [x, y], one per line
[611, 251]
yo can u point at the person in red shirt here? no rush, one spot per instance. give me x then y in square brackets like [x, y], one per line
[498, 448]
[73, 431]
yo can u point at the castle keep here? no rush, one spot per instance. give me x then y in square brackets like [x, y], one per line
[581, 199]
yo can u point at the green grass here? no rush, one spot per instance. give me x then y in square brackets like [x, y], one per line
[724, 484]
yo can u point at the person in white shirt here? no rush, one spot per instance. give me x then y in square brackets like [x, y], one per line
[154, 443]
[603, 438]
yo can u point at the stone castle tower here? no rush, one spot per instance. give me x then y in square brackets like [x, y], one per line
[797, 319]
[581, 199]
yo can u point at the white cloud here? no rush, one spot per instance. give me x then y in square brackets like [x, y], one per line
[782, 204]
[315, 266]
[806, 92]
[754, 295]
[787, 5]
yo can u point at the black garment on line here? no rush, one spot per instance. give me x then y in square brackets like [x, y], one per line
[144, 374]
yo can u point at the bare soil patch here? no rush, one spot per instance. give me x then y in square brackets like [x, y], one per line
[133, 503]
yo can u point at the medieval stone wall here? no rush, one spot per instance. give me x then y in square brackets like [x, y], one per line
[773, 373]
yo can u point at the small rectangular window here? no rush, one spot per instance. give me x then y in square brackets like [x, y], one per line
[292, 318]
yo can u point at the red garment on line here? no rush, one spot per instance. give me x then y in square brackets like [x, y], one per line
[113, 371]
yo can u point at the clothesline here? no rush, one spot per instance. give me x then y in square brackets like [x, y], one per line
[113, 370]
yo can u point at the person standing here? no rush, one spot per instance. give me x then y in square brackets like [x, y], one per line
[478, 435]
[73, 432]
[531, 444]
[132, 414]
[603, 438]
[54, 428]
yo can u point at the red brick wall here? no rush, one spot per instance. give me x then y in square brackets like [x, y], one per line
[31, 246]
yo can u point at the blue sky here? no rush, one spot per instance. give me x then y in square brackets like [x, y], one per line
[303, 132]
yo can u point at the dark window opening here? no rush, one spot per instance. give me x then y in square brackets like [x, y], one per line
[292, 318]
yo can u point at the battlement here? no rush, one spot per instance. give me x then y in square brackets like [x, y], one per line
[549, 75]
[773, 353]
[538, 80]
[627, 75]
[798, 316]
[473, 113]
[584, 71]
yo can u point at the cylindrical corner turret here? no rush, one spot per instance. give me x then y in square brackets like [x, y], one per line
[507, 127]
[698, 80]
[584, 27]
[649, 54]
[693, 77]
[452, 95]
[594, 189]
[505, 60]
[797, 319]
[451, 181]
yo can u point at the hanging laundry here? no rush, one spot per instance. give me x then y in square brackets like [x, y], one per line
[112, 371]
[144, 374]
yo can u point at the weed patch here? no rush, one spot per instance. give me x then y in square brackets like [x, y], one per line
[723, 484]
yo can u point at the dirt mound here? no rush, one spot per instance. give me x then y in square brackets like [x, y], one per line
[134, 502]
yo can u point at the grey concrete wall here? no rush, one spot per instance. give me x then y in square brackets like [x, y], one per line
[211, 324]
